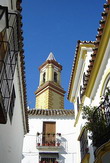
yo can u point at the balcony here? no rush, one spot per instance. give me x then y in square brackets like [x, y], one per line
[98, 121]
[101, 119]
[101, 133]
[9, 47]
[48, 141]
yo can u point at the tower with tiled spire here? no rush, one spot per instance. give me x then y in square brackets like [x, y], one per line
[50, 94]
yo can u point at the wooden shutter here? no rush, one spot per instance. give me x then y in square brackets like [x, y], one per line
[49, 129]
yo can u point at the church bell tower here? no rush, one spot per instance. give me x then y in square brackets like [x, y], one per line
[50, 94]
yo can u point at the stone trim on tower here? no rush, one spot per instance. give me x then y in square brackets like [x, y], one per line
[51, 61]
[50, 94]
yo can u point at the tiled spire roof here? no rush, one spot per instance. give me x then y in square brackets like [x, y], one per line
[51, 57]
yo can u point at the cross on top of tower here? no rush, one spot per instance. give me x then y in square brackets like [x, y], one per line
[51, 57]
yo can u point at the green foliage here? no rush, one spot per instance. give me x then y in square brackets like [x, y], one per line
[88, 115]
[97, 121]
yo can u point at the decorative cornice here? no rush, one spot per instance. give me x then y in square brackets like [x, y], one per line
[99, 50]
[78, 46]
[50, 85]
[51, 62]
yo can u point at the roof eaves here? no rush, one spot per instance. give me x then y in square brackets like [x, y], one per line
[19, 8]
[79, 42]
[51, 112]
[100, 30]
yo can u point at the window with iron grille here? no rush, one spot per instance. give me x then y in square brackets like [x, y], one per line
[11, 4]
[12, 103]
[46, 157]
[83, 144]
[9, 47]
[48, 160]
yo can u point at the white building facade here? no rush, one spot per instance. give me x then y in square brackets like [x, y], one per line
[58, 146]
[52, 135]
[90, 79]
[13, 108]
[76, 95]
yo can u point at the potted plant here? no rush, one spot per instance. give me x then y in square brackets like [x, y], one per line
[46, 143]
[53, 134]
[38, 133]
[58, 144]
[48, 134]
[38, 144]
[43, 144]
[59, 134]
[53, 143]
[97, 121]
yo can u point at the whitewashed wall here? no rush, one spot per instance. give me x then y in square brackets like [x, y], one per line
[64, 125]
[8, 3]
[11, 135]
[78, 81]
[82, 67]
[103, 72]
[95, 97]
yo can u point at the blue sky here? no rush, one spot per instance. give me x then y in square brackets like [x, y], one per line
[56, 26]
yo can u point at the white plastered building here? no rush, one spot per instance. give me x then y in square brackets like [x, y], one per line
[52, 134]
[35, 150]
[89, 81]
[13, 108]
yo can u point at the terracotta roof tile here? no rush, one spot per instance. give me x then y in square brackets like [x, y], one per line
[74, 62]
[95, 50]
[51, 112]
[98, 38]
[19, 8]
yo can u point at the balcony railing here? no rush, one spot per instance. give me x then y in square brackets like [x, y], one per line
[9, 46]
[48, 140]
[101, 118]
[45, 160]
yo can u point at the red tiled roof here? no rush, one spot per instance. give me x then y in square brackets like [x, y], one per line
[74, 62]
[51, 112]
[19, 8]
[95, 50]
[97, 42]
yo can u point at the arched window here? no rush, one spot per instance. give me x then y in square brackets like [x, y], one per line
[106, 84]
[44, 77]
[55, 77]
